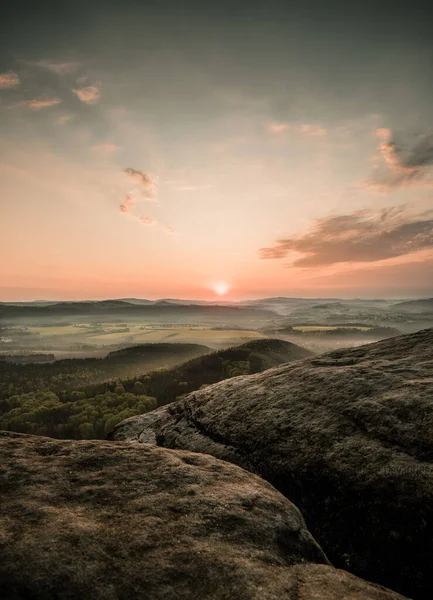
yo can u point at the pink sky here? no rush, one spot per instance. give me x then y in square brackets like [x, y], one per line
[157, 165]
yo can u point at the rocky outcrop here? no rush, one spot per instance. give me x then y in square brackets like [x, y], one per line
[347, 437]
[110, 521]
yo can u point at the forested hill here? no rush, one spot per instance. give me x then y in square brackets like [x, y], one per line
[251, 357]
[59, 404]
[64, 376]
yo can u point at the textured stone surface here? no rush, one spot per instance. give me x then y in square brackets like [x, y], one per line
[110, 521]
[347, 436]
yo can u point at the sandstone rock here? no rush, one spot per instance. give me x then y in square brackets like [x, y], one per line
[96, 520]
[347, 437]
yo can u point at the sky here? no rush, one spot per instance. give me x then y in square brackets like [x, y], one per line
[162, 149]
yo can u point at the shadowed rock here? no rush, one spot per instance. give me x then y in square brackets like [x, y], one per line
[110, 521]
[347, 436]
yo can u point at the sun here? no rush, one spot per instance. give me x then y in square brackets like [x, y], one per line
[221, 288]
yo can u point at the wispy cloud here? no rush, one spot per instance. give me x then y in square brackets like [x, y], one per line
[61, 68]
[126, 207]
[127, 204]
[363, 236]
[140, 176]
[146, 190]
[309, 129]
[36, 103]
[106, 148]
[9, 80]
[278, 127]
[404, 166]
[63, 119]
[89, 94]
[313, 129]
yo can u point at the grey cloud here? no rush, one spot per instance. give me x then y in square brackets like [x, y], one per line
[64, 68]
[405, 167]
[364, 236]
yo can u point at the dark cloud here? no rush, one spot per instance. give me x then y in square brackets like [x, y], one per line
[364, 236]
[64, 68]
[404, 166]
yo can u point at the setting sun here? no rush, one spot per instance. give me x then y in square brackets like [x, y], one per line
[221, 288]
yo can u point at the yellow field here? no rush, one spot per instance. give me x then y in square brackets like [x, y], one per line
[181, 334]
[57, 330]
[327, 327]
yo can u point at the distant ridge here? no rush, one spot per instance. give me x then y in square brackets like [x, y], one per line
[160, 309]
[415, 306]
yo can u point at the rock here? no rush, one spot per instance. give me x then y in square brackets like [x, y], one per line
[110, 521]
[347, 437]
[137, 429]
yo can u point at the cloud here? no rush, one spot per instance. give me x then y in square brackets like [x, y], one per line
[384, 133]
[310, 129]
[144, 191]
[278, 127]
[404, 167]
[126, 207]
[142, 178]
[364, 236]
[36, 103]
[89, 94]
[147, 190]
[314, 129]
[60, 68]
[9, 80]
[106, 148]
[127, 204]
[63, 119]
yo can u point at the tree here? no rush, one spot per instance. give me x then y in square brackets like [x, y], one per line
[139, 388]
[87, 431]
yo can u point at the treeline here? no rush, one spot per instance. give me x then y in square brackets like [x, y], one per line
[90, 411]
[64, 376]
[43, 413]
[167, 384]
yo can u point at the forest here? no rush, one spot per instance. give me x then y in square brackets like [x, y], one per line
[47, 399]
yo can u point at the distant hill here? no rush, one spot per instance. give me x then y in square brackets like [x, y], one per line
[352, 330]
[64, 376]
[159, 310]
[415, 306]
[251, 357]
[62, 400]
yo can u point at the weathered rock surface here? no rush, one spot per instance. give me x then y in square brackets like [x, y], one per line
[347, 436]
[83, 520]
